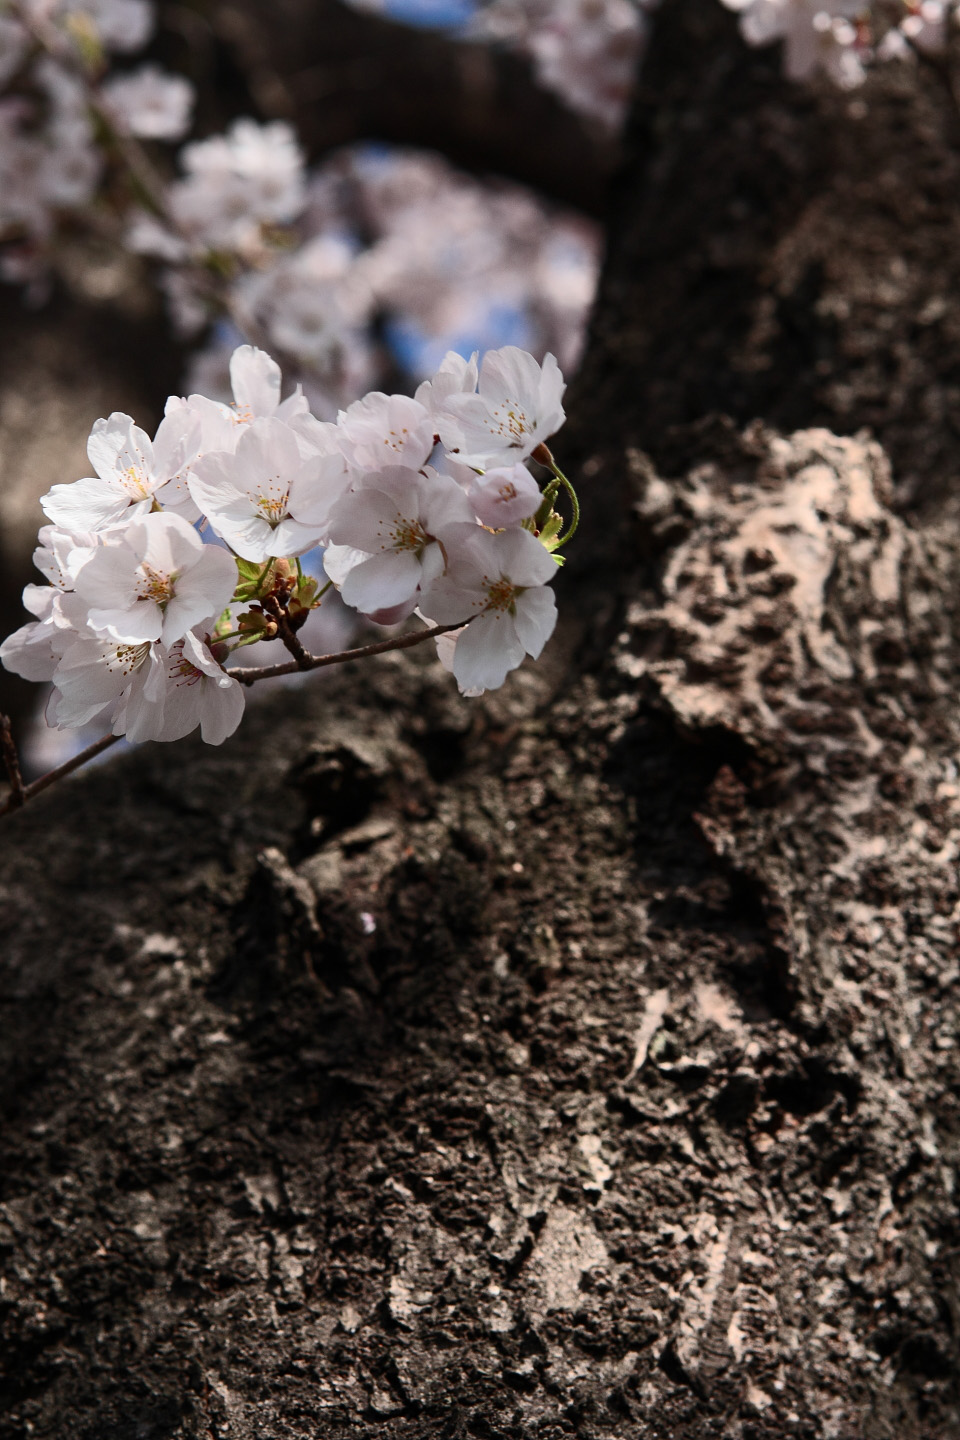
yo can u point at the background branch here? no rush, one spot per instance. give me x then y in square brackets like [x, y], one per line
[342, 75]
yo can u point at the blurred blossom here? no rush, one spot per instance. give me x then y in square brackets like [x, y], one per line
[150, 103]
[586, 51]
[450, 262]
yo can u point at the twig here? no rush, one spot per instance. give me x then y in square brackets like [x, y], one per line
[286, 632]
[21, 793]
[250, 674]
[13, 802]
[11, 761]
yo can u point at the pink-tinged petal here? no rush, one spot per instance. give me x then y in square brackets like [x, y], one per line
[393, 614]
[382, 581]
[168, 543]
[504, 496]
[294, 406]
[486, 652]
[432, 565]
[31, 651]
[534, 618]
[251, 537]
[140, 716]
[223, 704]
[509, 374]
[317, 437]
[442, 503]
[455, 376]
[448, 601]
[255, 378]
[364, 519]
[213, 480]
[38, 599]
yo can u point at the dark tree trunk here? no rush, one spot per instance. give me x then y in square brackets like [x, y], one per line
[582, 1060]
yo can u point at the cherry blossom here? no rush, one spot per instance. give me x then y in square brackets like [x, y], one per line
[155, 580]
[503, 581]
[133, 473]
[454, 376]
[501, 497]
[386, 430]
[397, 519]
[816, 36]
[196, 691]
[33, 652]
[236, 183]
[103, 679]
[518, 408]
[255, 379]
[252, 496]
[150, 103]
[586, 51]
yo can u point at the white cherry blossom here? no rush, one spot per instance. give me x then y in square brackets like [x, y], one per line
[123, 626]
[502, 496]
[384, 430]
[33, 652]
[397, 520]
[150, 103]
[155, 580]
[255, 381]
[518, 408]
[816, 35]
[236, 183]
[131, 473]
[107, 680]
[503, 581]
[196, 691]
[252, 496]
[454, 376]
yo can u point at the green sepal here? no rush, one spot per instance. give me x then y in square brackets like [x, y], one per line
[550, 531]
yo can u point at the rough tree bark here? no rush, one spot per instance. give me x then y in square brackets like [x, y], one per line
[582, 1061]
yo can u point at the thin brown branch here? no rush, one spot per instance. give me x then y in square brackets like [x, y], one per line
[287, 633]
[250, 674]
[21, 793]
[11, 762]
[59, 773]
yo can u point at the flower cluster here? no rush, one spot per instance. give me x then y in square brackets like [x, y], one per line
[183, 548]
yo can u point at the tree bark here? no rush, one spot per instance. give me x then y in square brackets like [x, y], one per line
[579, 1061]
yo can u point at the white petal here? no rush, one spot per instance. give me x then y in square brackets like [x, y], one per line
[535, 618]
[255, 378]
[486, 652]
[382, 581]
